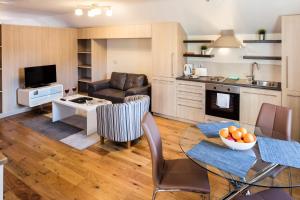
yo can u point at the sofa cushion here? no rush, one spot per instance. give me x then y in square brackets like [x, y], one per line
[117, 80]
[134, 81]
[113, 95]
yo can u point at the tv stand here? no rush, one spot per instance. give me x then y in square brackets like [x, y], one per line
[32, 97]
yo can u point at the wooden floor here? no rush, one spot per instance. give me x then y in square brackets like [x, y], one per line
[40, 168]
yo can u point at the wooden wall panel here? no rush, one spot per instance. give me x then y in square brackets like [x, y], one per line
[116, 32]
[25, 46]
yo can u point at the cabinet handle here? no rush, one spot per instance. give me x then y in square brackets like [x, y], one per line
[287, 72]
[172, 64]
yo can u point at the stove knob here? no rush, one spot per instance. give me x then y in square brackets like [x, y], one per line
[228, 89]
[215, 88]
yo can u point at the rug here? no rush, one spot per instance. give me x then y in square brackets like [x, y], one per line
[70, 131]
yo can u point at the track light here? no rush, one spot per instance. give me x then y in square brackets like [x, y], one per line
[95, 10]
[78, 12]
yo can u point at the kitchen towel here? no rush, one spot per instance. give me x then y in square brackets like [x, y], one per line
[236, 163]
[211, 129]
[279, 151]
[223, 100]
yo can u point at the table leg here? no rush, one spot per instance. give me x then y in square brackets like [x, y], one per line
[91, 122]
[233, 194]
[60, 112]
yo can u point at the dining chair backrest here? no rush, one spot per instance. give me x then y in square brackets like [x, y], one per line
[154, 140]
[275, 121]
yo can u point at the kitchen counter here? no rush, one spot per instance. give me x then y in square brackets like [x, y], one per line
[240, 82]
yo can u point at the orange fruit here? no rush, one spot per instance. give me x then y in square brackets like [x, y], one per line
[237, 135]
[232, 129]
[240, 141]
[224, 133]
[243, 130]
[248, 138]
[254, 137]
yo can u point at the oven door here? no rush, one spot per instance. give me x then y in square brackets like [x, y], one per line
[211, 107]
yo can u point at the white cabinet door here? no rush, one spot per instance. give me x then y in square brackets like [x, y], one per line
[290, 53]
[164, 96]
[251, 101]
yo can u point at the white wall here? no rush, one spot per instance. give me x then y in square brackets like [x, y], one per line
[230, 61]
[17, 18]
[129, 55]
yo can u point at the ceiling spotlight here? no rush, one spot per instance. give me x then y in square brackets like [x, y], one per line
[109, 12]
[94, 12]
[78, 12]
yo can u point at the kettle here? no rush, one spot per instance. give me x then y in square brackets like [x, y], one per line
[188, 69]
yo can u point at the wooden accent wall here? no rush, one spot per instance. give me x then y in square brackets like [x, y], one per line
[25, 46]
[116, 32]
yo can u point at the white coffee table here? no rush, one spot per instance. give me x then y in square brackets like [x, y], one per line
[64, 109]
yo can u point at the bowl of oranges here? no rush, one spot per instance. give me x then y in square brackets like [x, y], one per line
[237, 138]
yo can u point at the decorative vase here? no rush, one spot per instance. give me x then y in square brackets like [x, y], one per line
[203, 52]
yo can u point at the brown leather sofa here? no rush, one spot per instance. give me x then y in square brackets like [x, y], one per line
[120, 86]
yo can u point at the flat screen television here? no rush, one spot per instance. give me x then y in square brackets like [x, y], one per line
[40, 75]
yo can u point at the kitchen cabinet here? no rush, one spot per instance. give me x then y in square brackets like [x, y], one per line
[290, 69]
[164, 96]
[190, 100]
[251, 101]
[168, 49]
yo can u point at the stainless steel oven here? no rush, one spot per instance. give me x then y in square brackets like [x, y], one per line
[232, 101]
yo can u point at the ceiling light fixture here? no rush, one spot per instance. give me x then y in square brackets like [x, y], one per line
[94, 10]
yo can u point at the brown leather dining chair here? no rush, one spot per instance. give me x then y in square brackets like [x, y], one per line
[172, 175]
[270, 194]
[275, 122]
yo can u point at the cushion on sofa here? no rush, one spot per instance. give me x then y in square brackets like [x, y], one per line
[114, 95]
[118, 80]
[134, 80]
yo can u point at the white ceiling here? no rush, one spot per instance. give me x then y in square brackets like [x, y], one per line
[196, 16]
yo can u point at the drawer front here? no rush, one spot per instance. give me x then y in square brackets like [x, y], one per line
[186, 87]
[190, 113]
[191, 96]
[190, 103]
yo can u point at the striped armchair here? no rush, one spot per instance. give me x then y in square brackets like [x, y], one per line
[122, 122]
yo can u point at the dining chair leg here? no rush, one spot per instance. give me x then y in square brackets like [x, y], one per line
[128, 144]
[290, 182]
[154, 194]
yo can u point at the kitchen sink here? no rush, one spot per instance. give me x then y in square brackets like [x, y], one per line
[265, 83]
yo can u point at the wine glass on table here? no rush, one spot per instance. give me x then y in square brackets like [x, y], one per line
[67, 92]
[74, 89]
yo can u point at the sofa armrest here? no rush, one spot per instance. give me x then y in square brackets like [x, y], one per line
[145, 90]
[98, 85]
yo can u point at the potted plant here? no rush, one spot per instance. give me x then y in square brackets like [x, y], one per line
[262, 34]
[204, 49]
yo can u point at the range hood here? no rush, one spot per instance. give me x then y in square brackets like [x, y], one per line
[227, 40]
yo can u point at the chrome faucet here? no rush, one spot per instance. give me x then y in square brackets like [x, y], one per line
[253, 66]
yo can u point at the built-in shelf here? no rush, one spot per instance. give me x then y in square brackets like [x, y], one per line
[262, 57]
[85, 80]
[262, 41]
[84, 52]
[197, 55]
[198, 41]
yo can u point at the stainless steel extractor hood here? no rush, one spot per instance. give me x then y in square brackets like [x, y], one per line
[227, 40]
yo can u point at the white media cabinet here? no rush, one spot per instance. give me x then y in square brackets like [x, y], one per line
[32, 97]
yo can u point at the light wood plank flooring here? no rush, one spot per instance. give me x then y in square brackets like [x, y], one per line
[40, 168]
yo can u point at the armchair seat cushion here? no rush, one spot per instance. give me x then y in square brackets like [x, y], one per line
[111, 94]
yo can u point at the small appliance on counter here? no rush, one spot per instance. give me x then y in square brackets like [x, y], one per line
[188, 69]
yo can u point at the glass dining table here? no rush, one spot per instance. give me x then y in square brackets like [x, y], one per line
[261, 174]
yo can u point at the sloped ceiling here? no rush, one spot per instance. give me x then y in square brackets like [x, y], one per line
[196, 16]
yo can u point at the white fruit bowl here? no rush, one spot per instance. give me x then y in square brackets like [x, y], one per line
[237, 146]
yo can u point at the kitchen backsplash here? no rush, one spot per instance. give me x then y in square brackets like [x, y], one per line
[266, 72]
